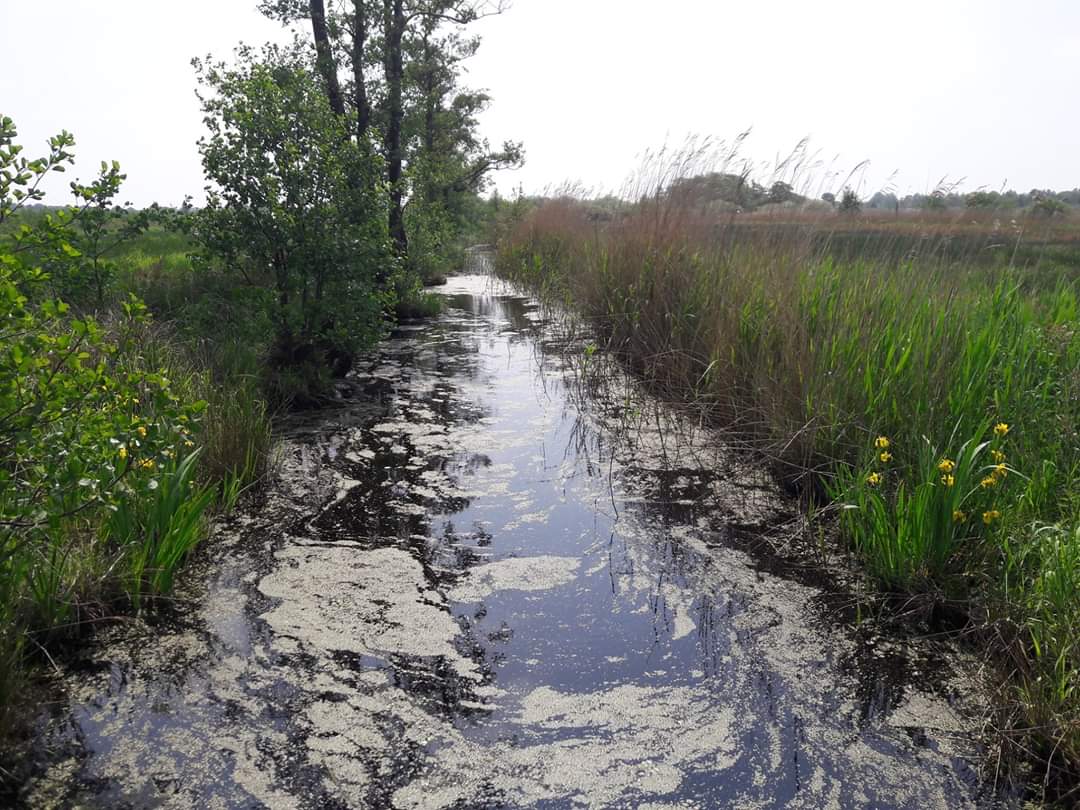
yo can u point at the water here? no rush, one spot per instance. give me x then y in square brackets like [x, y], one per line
[496, 578]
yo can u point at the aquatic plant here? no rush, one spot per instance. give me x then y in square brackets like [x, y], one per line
[911, 517]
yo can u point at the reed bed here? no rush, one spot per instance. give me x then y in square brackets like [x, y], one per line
[920, 377]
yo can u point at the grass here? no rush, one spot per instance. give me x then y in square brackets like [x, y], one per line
[418, 305]
[814, 336]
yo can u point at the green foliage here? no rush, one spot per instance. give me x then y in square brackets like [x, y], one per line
[447, 161]
[157, 527]
[913, 519]
[983, 200]
[405, 64]
[935, 201]
[219, 339]
[1046, 206]
[295, 209]
[87, 430]
[418, 304]
[726, 189]
[850, 202]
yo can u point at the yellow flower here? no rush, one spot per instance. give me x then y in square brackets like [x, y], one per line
[147, 464]
[948, 480]
[167, 453]
[1001, 429]
[988, 482]
[881, 443]
[885, 457]
[958, 516]
[998, 456]
[1000, 471]
[189, 443]
[873, 479]
[946, 465]
[123, 452]
[141, 431]
[991, 516]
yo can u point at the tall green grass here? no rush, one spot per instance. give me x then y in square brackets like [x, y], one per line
[155, 534]
[813, 356]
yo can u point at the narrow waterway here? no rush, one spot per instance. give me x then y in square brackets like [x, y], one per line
[493, 578]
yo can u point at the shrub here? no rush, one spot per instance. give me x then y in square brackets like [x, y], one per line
[294, 209]
[87, 432]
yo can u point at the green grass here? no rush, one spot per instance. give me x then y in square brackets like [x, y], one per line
[155, 534]
[812, 354]
[418, 305]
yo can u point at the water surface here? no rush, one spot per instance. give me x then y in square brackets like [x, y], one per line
[492, 578]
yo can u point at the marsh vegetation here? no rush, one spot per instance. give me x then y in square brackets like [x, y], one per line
[906, 368]
[913, 377]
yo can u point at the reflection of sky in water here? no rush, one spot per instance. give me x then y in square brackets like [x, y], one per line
[511, 594]
[641, 602]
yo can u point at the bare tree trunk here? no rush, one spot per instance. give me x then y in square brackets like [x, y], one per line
[327, 66]
[394, 68]
[363, 107]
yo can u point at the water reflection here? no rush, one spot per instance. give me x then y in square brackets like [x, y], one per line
[503, 576]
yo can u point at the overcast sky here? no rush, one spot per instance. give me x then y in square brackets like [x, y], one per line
[983, 91]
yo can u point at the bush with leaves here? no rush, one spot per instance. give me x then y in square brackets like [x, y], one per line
[294, 208]
[86, 431]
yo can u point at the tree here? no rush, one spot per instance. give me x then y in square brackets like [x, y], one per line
[447, 163]
[294, 208]
[88, 434]
[732, 189]
[982, 200]
[830, 198]
[883, 200]
[1047, 206]
[404, 59]
[850, 202]
[781, 192]
[935, 201]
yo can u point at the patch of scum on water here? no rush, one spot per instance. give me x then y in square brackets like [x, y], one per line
[488, 581]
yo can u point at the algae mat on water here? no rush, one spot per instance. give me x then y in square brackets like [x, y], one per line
[485, 582]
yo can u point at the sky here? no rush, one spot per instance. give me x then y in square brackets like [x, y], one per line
[981, 94]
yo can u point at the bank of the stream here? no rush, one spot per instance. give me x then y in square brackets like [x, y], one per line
[489, 579]
[930, 401]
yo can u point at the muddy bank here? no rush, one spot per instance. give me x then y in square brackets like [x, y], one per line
[481, 583]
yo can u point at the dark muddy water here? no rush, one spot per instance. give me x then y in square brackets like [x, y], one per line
[494, 579]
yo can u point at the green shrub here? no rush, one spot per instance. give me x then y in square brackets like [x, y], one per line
[89, 430]
[297, 213]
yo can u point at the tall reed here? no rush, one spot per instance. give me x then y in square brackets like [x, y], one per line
[814, 348]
